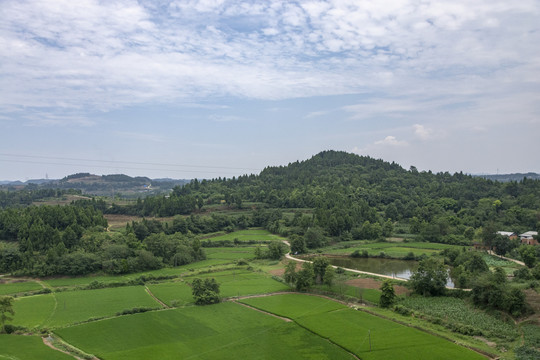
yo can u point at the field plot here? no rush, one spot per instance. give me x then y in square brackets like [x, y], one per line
[237, 282]
[68, 307]
[27, 348]
[179, 270]
[172, 293]
[33, 311]
[222, 331]
[392, 249]
[231, 253]
[10, 288]
[244, 282]
[247, 235]
[456, 311]
[83, 280]
[367, 336]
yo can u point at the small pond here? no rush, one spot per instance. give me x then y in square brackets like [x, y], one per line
[391, 267]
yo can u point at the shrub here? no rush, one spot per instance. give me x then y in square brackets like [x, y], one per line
[400, 309]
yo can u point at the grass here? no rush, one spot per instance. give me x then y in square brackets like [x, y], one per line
[19, 287]
[172, 293]
[179, 270]
[366, 335]
[28, 348]
[391, 249]
[69, 307]
[77, 306]
[33, 311]
[222, 331]
[247, 235]
[231, 253]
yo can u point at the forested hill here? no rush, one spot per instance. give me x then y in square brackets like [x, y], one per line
[345, 191]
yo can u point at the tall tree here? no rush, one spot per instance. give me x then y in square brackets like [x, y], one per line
[430, 278]
[6, 309]
[388, 295]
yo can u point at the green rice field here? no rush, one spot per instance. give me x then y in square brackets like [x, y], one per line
[365, 335]
[233, 283]
[11, 288]
[16, 347]
[69, 307]
[248, 235]
[222, 331]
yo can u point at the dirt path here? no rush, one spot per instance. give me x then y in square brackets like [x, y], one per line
[290, 257]
[48, 342]
[165, 306]
[490, 252]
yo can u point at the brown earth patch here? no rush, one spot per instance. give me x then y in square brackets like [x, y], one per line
[368, 283]
[280, 272]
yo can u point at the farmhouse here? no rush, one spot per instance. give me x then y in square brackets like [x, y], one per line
[509, 234]
[529, 238]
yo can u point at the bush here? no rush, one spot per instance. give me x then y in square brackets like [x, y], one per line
[400, 309]
[358, 254]
[523, 273]
[134, 310]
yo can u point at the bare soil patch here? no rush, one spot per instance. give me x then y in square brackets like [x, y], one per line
[374, 284]
[281, 272]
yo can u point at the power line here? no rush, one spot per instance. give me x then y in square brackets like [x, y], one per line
[100, 164]
[118, 167]
[127, 162]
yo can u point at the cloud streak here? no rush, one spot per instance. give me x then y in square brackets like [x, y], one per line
[113, 54]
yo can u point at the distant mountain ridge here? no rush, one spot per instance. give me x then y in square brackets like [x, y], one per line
[510, 177]
[108, 185]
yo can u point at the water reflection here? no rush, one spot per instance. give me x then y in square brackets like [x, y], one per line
[391, 267]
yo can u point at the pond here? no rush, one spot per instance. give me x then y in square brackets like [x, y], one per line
[391, 267]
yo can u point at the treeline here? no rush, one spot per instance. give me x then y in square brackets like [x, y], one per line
[72, 240]
[355, 197]
[25, 197]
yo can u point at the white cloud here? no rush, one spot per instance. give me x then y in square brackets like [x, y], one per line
[391, 141]
[415, 59]
[422, 132]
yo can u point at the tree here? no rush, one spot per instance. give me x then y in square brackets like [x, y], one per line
[6, 309]
[329, 275]
[290, 272]
[528, 255]
[430, 278]
[298, 244]
[304, 277]
[320, 263]
[276, 250]
[205, 291]
[388, 295]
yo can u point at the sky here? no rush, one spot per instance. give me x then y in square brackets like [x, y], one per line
[218, 88]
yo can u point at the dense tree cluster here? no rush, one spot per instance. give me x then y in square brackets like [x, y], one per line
[319, 271]
[71, 240]
[205, 292]
[492, 291]
[357, 197]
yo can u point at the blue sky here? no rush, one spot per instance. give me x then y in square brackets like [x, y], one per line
[212, 88]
